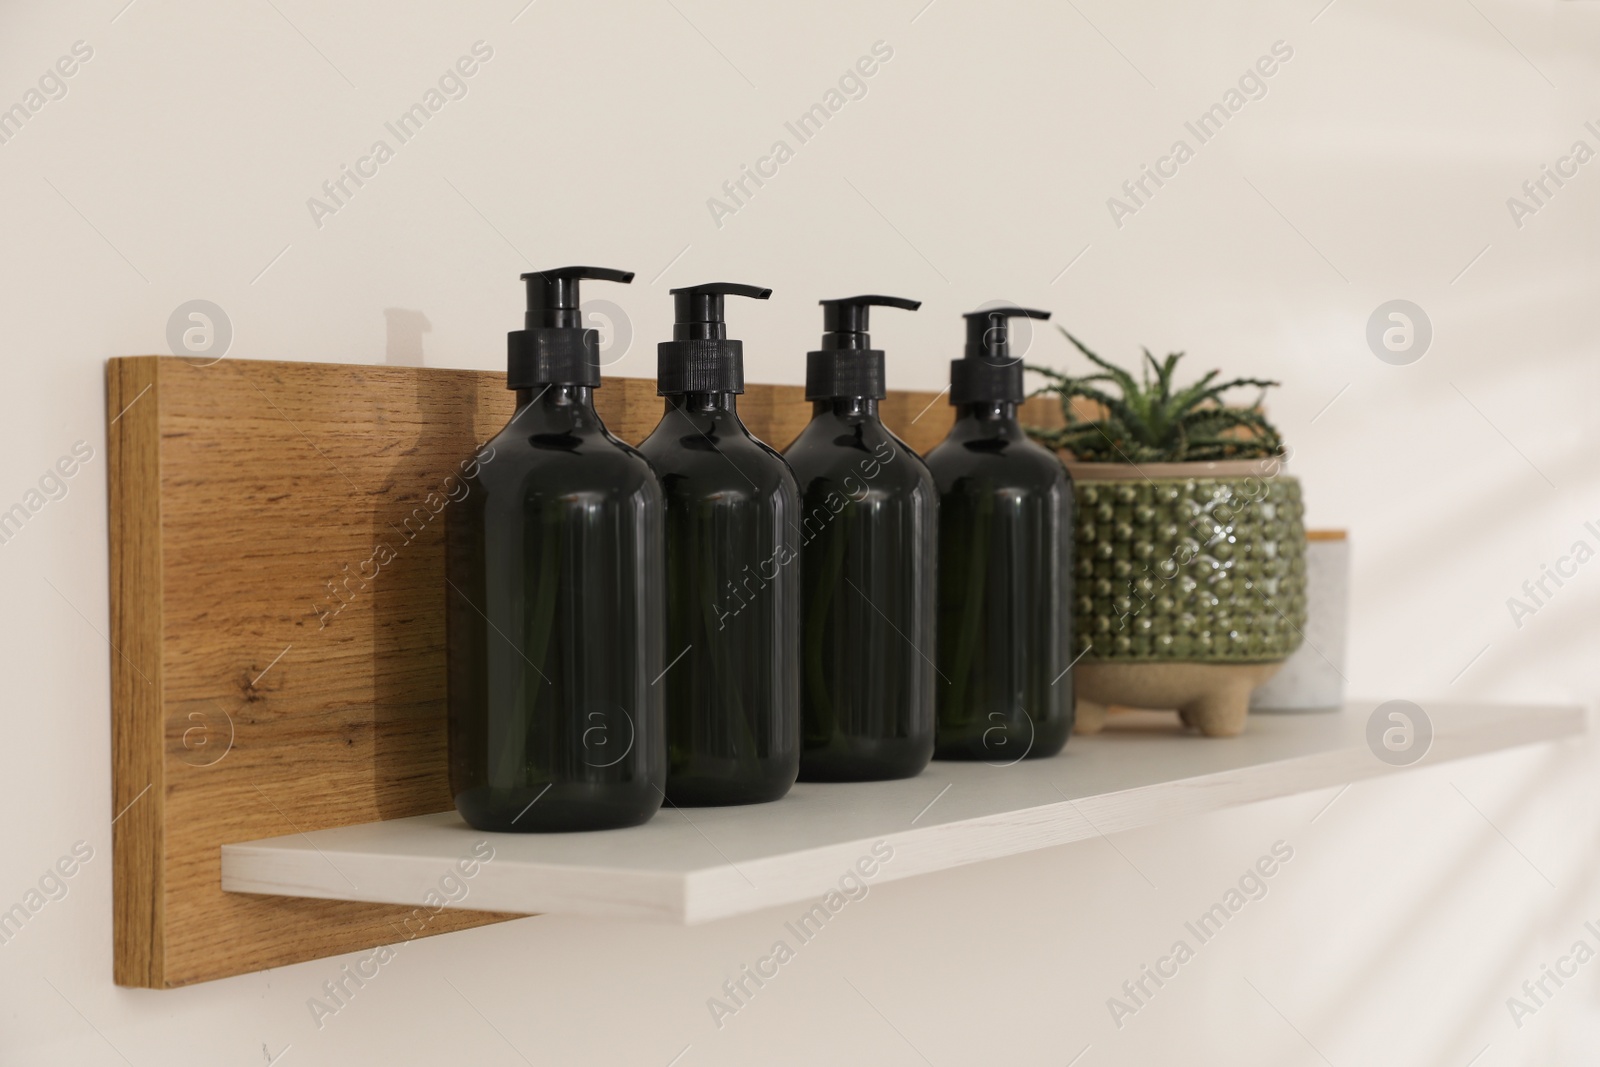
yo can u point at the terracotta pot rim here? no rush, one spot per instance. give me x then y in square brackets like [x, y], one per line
[1154, 661]
[1125, 472]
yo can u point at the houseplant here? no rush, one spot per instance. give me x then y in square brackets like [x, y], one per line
[1190, 568]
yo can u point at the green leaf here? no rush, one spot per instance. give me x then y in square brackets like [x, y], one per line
[1152, 420]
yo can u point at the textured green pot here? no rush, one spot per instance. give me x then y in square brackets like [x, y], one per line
[1188, 563]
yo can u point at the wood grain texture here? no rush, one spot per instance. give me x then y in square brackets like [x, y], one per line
[269, 677]
[138, 788]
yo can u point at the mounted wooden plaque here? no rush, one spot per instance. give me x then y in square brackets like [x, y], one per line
[265, 680]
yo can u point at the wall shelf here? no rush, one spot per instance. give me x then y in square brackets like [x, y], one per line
[264, 682]
[710, 863]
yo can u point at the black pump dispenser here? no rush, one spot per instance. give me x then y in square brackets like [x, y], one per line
[848, 365]
[988, 372]
[554, 348]
[1005, 564]
[732, 576]
[867, 552]
[701, 358]
[554, 605]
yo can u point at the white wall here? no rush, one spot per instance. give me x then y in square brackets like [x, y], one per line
[978, 165]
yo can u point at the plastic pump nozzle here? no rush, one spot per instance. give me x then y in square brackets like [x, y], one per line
[701, 357]
[847, 365]
[987, 372]
[553, 348]
[844, 321]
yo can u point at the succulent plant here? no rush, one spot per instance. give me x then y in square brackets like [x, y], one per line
[1152, 421]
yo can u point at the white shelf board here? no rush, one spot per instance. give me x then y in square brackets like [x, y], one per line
[708, 863]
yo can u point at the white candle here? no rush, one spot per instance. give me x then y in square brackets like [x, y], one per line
[1312, 679]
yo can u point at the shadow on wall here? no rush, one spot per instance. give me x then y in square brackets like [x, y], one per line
[1499, 967]
[403, 332]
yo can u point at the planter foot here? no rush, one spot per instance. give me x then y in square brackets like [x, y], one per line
[1219, 714]
[1211, 698]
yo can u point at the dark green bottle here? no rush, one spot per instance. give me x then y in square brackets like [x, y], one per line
[1005, 564]
[554, 613]
[868, 507]
[731, 677]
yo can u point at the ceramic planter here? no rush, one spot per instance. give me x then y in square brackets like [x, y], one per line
[1190, 587]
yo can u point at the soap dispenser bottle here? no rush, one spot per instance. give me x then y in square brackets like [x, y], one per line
[1005, 564]
[731, 678]
[868, 512]
[554, 614]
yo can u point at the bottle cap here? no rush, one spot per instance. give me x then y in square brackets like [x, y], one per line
[701, 358]
[553, 348]
[986, 371]
[848, 365]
